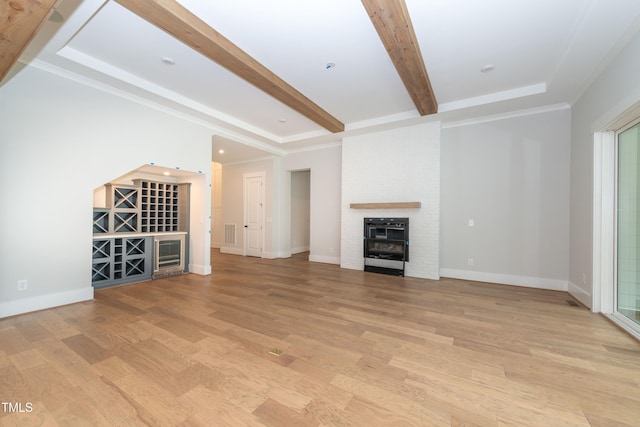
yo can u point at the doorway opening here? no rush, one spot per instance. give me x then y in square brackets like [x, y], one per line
[300, 212]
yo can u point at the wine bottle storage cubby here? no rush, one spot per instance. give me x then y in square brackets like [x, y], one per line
[101, 221]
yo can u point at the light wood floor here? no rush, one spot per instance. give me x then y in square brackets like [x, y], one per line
[353, 348]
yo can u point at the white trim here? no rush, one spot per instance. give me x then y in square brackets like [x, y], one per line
[231, 250]
[507, 115]
[271, 255]
[506, 279]
[239, 134]
[42, 302]
[519, 92]
[625, 323]
[119, 74]
[322, 146]
[384, 120]
[325, 259]
[299, 249]
[603, 221]
[203, 270]
[580, 294]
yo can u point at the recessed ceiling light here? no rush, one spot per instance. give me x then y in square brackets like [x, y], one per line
[167, 173]
[487, 68]
[167, 61]
[282, 120]
[221, 151]
[329, 66]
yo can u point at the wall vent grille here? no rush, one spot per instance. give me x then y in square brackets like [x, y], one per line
[229, 234]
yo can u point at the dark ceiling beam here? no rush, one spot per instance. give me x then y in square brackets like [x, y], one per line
[176, 20]
[20, 20]
[393, 24]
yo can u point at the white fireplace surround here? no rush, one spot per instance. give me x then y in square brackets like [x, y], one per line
[390, 168]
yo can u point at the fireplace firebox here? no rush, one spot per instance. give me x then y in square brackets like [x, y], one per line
[386, 245]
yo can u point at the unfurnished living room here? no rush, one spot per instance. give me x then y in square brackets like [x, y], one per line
[320, 213]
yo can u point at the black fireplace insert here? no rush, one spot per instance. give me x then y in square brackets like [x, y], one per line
[386, 239]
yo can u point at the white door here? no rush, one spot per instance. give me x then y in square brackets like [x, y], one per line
[253, 214]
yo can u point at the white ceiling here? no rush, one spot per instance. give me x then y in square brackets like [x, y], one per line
[545, 53]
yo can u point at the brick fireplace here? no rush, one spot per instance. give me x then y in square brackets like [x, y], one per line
[381, 171]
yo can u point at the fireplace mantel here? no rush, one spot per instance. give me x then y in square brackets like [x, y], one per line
[385, 205]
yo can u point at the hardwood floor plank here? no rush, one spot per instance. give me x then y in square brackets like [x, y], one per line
[288, 342]
[114, 405]
[75, 369]
[13, 386]
[210, 408]
[86, 348]
[157, 402]
[49, 386]
[12, 341]
[53, 323]
[273, 412]
[32, 331]
[412, 409]
[326, 414]
[27, 359]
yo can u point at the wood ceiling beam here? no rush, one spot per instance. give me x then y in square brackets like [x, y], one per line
[176, 20]
[393, 24]
[20, 20]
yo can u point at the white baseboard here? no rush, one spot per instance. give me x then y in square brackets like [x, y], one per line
[203, 270]
[506, 279]
[26, 305]
[232, 251]
[299, 249]
[270, 255]
[580, 294]
[324, 259]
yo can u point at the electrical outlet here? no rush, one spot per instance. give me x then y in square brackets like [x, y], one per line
[23, 285]
[470, 261]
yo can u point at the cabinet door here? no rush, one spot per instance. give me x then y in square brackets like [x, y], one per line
[121, 260]
[102, 261]
[124, 203]
[137, 258]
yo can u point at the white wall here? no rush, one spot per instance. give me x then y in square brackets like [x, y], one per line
[615, 91]
[325, 192]
[399, 165]
[60, 140]
[511, 177]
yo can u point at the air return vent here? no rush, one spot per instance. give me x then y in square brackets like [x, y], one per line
[229, 234]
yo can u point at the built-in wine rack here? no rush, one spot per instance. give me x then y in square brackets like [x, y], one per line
[123, 231]
[159, 207]
[146, 207]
